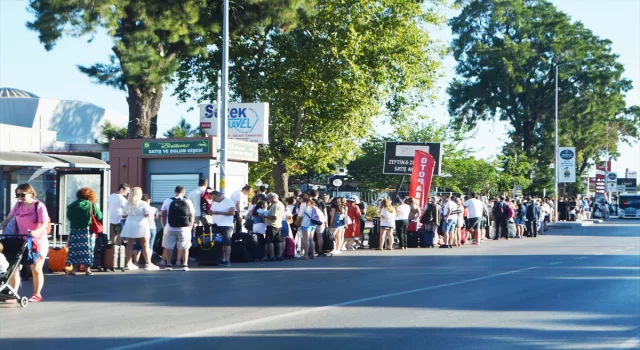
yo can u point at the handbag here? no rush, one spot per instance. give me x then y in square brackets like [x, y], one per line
[413, 226]
[96, 226]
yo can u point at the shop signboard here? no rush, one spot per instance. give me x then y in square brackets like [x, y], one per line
[399, 156]
[176, 148]
[245, 121]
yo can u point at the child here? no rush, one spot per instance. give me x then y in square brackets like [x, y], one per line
[4, 264]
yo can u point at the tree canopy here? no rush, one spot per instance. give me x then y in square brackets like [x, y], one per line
[151, 38]
[507, 51]
[344, 64]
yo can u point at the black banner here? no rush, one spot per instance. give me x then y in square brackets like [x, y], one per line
[398, 156]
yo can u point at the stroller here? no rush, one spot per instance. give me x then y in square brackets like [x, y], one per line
[14, 248]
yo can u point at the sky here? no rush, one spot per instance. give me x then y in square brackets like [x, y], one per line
[25, 64]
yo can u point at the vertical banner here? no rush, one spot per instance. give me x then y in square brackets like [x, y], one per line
[421, 177]
[567, 171]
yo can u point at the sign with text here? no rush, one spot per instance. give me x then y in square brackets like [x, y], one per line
[567, 160]
[632, 174]
[629, 185]
[245, 121]
[421, 177]
[177, 148]
[399, 156]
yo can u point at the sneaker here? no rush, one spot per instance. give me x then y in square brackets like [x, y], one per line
[185, 268]
[322, 254]
[277, 259]
[162, 264]
[132, 267]
[152, 267]
[168, 268]
[226, 264]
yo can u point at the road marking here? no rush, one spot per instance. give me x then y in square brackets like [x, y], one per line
[601, 253]
[630, 248]
[582, 257]
[633, 343]
[247, 324]
[617, 250]
[555, 263]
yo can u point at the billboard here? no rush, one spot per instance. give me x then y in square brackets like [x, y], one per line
[567, 160]
[245, 121]
[398, 156]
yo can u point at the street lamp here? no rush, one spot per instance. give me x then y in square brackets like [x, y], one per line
[555, 157]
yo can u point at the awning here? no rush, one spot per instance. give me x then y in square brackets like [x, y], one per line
[13, 160]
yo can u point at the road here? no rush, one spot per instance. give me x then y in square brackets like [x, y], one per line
[569, 289]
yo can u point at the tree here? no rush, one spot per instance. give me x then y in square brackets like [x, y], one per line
[182, 130]
[151, 38]
[507, 51]
[345, 64]
[112, 132]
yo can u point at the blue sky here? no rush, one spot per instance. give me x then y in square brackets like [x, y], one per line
[25, 64]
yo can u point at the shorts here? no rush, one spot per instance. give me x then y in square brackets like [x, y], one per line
[226, 232]
[474, 223]
[519, 221]
[272, 235]
[450, 226]
[259, 228]
[115, 229]
[180, 238]
[320, 229]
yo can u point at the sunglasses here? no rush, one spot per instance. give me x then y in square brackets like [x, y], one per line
[21, 195]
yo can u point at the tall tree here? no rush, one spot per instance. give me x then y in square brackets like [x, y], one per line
[344, 64]
[507, 51]
[110, 132]
[150, 38]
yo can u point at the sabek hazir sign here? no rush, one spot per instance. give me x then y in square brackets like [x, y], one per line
[245, 121]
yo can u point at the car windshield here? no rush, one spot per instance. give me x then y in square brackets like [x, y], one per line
[629, 202]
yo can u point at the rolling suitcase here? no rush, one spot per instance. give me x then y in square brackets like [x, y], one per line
[290, 248]
[240, 252]
[428, 239]
[209, 252]
[114, 257]
[412, 239]
[511, 229]
[98, 251]
[57, 256]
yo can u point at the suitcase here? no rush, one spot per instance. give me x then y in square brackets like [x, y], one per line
[327, 241]
[428, 239]
[98, 251]
[511, 229]
[290, 248]
[114, 257]
[412, 239]
[210, 256]
[374, 240]
[57, 255]
[255, 244]
[240, 252]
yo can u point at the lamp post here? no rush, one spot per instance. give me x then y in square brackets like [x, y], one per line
[225, 98]
[555, 157]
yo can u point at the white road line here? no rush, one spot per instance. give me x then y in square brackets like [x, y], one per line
[582, 257]
[601, 253]
[631, 248]
[555, 263]
[617, 250]
[246, 324]
[633, 343]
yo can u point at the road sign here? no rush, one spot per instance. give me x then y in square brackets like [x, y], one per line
[612, 177]
[517, 191]
[398, 156]
[337, 182]
[627, 185]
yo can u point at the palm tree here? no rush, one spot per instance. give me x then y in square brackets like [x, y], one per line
[112, 132]
[182, 130]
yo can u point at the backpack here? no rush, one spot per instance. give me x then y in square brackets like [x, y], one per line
[317, 217]
[498, 210]
[179, 213]
[205, 202]
[428, 217]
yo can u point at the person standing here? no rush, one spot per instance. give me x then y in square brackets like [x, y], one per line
[32, 219]
[177, 218]
[501, 217]
[521, 218]
[153, 216]
[533, 218]
[222, 213]
[195, 197]
[260, 195]
[115, 206]
[337, 224]
[450, 220]
[136, 228]
[353, 230]
[240, 199]
[273, 223]
[81, 241]
[474, 209]
[402, 222]
[320, 205]
[431, 216]
[387, 222]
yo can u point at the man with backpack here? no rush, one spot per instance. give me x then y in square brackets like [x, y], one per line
[500, 212]
[178, 217]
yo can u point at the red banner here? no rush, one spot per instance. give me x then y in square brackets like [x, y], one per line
[421, 177]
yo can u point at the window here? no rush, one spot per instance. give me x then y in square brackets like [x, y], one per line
[162, 186]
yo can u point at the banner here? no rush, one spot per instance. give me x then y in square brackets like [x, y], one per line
[421, 177]
[567, 170]
[245, 121]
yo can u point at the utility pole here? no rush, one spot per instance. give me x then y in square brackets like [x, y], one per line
[225, 98]
[555, 157]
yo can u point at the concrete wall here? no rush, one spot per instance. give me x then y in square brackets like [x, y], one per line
[26, 139]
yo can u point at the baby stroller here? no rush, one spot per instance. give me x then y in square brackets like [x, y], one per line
[14, 248]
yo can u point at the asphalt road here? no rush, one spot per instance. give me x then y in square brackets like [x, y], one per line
[569, 289]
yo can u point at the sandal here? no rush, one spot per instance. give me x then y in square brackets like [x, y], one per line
[89, 273]
[35, 298]
[72, 273]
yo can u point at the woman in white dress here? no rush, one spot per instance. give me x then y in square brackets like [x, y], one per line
[136, 227]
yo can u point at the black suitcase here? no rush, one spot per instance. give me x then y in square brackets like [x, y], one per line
[240, 252]
[256, 245]
[412, 240]
[327, 241]
[98, 251]
[374, 240]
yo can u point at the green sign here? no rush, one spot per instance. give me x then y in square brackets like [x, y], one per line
[176, 148]
[238, 150]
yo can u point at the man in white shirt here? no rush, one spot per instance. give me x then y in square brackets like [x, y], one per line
[450, 220]
[222, 211]
[177, 220]
[194, 196]
[475, 209]
[240, 199]
[115, 205]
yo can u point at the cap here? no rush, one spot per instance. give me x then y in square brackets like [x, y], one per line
[356, 199]
[352, 199]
